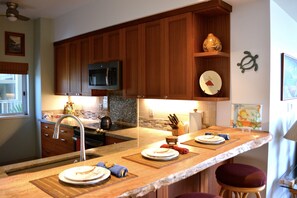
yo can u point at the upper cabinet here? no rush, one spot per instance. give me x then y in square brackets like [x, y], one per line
[158, 59]
[131, 61]
[178, 57]
[71, 68]
[105, 46]
[162, 55]
[217, 22]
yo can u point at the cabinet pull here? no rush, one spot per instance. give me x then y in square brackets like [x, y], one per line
[46, 135]
[63, 140]
[62, 131]
[46, 126]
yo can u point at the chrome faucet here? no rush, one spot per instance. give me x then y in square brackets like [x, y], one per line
[82, 134]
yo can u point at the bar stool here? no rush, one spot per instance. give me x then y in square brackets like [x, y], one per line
[241, 179]
[197, 195]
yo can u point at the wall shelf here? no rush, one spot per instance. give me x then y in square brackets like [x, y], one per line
[211, 54]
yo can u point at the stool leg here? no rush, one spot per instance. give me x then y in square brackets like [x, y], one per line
[258, 194]
[245, 195]
[222, 191]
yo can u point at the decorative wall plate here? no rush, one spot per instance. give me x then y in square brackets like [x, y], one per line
[210, 82]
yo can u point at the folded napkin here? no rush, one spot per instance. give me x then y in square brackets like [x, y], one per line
[225, 136]
[115, 169]
[177, 148]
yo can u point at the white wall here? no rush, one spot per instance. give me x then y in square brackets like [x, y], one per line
[18, 135]
[249, 32]
[102, 13]
[282, 113]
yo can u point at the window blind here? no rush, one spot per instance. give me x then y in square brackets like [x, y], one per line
[13, 68]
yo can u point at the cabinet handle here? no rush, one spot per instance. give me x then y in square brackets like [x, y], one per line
[46, 126]
[165, 97]
[46, 135]
[63, 140]
[62, 131]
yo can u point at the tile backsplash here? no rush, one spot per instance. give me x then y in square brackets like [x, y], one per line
[153, 113]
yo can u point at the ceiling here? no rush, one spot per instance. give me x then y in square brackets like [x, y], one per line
[44, 8]
[54, 8]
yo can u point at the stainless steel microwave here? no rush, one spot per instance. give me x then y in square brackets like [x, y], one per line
[105, 75]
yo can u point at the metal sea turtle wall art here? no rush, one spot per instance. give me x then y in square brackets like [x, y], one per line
[248, 62]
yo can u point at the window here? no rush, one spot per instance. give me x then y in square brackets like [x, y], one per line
[13, 88]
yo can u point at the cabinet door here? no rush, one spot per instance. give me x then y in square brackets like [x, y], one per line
[97, 48]
[61, 70]
[178, 72]
[131, 61]
[153, 59]
[84, 61]
[74, 68]
[105, 46]
[52, 147]
[112, 45]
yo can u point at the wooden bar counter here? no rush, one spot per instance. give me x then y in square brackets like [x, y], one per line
[191, 173]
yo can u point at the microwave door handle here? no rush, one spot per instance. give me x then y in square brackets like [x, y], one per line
[106, 76]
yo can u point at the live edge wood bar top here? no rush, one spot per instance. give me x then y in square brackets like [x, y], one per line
[146, 178]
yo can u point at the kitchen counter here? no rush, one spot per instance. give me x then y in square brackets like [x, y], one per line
[147, 178]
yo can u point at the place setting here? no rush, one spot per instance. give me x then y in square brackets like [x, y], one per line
[78, 180]
[164, 155]
[210, 141]
[84, 175]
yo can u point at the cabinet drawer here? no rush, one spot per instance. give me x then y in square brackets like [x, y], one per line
[52, 147]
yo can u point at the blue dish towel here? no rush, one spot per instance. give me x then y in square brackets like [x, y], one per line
[116, 170]
[225, 136]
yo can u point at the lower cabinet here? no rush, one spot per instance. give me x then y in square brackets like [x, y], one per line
[52, 147]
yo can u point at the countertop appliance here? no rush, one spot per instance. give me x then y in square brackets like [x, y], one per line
[105, 123]
[105, 75]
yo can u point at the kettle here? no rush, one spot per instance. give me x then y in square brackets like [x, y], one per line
[105, 123]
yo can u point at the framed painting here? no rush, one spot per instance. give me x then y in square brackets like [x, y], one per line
[14, 44]
[288, 77]
[246, 116]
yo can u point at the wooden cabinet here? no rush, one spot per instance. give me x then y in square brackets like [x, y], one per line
[105, 46]
[52, 147]
[61, 69]
[158, 59]
[214, 21]
[71, 68]
[152, 57]
[131, 61]
[162, 55]
[178, 48]
[74, 68]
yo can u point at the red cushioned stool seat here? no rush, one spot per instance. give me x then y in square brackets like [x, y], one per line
[241, 179]
[198, 195]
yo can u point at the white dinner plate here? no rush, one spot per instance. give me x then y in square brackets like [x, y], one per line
[105, 175]
[210, 139]
[210, 82]
[160, 158]
[160, 152]
[83, 173]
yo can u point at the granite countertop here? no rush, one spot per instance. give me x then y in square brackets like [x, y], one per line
[147, 179]
[139, 137]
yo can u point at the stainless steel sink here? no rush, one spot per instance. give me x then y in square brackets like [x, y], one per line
[47, 164]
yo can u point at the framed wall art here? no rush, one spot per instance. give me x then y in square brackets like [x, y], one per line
[288, 77]
[14, 44]
[246, 116]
